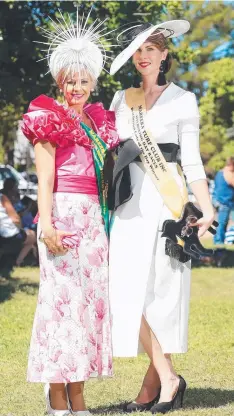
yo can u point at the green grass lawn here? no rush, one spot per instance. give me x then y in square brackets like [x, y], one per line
[208, 367]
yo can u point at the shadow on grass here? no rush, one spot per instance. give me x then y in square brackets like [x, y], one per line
[202, 398]
[195, 398]
[222, 258]
[10, 286]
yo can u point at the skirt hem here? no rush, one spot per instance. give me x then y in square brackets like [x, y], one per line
[99, 377]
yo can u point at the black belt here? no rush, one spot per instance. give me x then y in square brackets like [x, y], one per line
[169, 151]
[120, 189]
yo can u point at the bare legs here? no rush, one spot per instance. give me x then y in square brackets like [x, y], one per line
[150, 386]
[29, 244]
[58, 396]
[76, 396]
[160, 371]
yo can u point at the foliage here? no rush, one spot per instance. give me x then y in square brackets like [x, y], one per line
[22, 78]
[217, 109]
[211, 75]
[197, 64]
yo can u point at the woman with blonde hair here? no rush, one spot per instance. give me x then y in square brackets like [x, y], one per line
[71, 340]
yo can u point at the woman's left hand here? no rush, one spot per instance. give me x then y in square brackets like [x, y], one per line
[204, 223]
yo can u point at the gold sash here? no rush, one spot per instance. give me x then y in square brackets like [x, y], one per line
[152, 158]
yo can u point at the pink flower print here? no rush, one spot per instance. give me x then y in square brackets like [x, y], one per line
[69, 363]
[84, 350]
[81, 313]
[65, 223]
[75, 253]
[101, 252]
[65, 333]
[92, 340]
[57, 377]
[89, 295]
[42, 336]
[65, 295]
[85, 207]
[62, 309]
[93, 364]
[63, 267]
[39, 367]
[99, 347]
[95, 233]
[100, 366]
[56, 315]
[86, 223]
[76, 280]
[55, 354]
[94, 199]
[65, 375]
[95, 259]
[35, 370]
[100, 309]
[41, 326]
[52, 327]
[87, 272]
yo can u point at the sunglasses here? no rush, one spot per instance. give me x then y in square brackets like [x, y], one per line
[187, 230]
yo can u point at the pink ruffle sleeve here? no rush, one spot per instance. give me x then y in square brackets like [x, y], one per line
[46, 120]
[104, 123]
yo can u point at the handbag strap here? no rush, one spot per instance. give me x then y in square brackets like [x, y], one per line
[154, 162]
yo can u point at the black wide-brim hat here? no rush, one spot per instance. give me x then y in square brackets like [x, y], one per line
[169, 29]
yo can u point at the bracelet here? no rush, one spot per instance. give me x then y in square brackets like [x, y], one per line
[53, 235]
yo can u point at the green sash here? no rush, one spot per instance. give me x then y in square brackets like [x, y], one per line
[99, 154]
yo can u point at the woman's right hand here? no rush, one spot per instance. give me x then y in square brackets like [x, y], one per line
[53, 240]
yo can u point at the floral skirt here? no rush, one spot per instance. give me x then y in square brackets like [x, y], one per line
[71, 337]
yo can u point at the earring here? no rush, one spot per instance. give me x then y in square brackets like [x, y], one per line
[161, 76]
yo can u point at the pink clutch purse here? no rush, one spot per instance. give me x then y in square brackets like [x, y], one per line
[68, 241]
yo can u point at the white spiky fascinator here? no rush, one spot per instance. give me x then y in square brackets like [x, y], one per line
[75, 48]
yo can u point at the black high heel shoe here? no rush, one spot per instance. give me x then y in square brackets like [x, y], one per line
[176, 403]
[141, 407]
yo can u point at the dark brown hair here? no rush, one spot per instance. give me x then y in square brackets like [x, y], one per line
[158, 40]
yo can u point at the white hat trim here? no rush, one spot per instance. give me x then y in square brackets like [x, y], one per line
[175, 27]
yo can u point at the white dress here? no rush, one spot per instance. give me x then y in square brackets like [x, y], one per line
[143, 280]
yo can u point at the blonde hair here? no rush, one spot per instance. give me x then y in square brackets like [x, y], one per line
[63, 75]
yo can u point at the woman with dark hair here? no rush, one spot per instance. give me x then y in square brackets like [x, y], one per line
[149, 287]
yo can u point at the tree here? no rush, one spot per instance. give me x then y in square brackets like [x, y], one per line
[211, 28]
[197, 64]
[217, 110]
[210, 74]
[22, 77]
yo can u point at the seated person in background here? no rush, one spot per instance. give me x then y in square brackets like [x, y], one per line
[14, 239]
[10, 189]
[223, 198]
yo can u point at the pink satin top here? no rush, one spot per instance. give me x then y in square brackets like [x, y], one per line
[74, 170]
[47, 120]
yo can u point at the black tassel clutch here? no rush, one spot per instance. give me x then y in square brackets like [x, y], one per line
[184, 230]
[176, 251]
